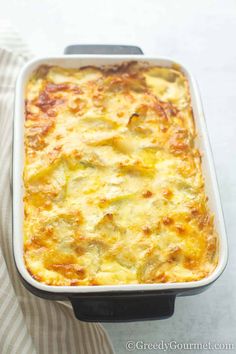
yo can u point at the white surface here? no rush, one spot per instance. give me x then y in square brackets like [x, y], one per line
[201, 34]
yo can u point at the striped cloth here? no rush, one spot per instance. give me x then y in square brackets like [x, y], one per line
[29, 324]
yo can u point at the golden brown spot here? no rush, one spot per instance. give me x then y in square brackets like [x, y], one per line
[161, 278]
[53, 88]
[74, 282]
[190, 263]
[45, 102]
[80, 250]
[171, 111]
[174, 254]
[167, 221]
[159, 109]
[163, 128]
[147, 230]
[35, 136]
[109, 216]
[69, 270]
[77, 105]
[35, 276]
[147, 194]
[179, 142]
[52, 113]
[180, 228]
[167, 193]
[204, 221]
[134, 118]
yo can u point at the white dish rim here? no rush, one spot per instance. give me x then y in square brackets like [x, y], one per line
[18, 142]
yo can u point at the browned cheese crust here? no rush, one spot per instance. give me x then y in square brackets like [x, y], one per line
[114, 192]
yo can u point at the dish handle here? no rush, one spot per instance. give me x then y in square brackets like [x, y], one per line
[103, 49]
[123, 308]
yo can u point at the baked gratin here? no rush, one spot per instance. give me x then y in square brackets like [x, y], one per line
[114, 191]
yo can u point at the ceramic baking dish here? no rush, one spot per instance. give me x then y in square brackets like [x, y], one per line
[118, 302]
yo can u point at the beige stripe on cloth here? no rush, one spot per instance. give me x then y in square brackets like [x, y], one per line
[29, 324]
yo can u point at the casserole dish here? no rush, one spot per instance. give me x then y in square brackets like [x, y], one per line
[113, 302]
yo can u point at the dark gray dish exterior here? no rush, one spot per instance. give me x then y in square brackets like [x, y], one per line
[118, 306]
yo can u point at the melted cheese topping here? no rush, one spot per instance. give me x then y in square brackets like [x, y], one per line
[114, 192]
